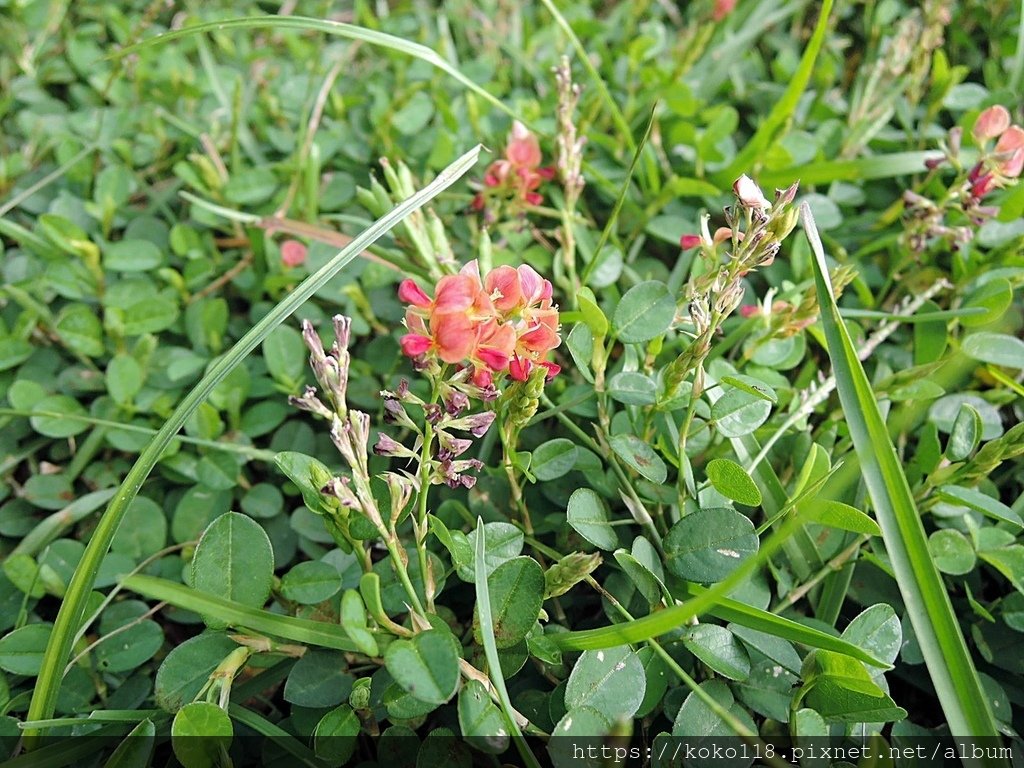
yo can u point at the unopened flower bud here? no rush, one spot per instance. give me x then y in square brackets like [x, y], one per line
[991, 123]
[749, 194]
[476, 424]
[310, 402]
[787, 195]
[387, 446]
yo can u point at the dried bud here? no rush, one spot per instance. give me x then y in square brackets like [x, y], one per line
[310, 402]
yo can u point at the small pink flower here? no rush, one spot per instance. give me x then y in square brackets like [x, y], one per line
[519, 174]
[522, 149]
[293, 253]
[1011, 144]
[991, 123]
[722, 9]
[750, 310]
[686, 242]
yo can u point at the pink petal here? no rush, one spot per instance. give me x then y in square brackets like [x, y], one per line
[414, 345]
[293, 253]
[410, 293]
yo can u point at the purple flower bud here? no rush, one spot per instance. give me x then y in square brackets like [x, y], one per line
[786, 196]
[476, 424]
[386, 446]
[456, 402]
[433, 412]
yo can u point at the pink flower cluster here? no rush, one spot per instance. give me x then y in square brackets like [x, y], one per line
[519, 173]
[1007, 159]
[503, 322]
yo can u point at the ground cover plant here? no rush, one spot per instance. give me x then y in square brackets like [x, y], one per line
[498, 383]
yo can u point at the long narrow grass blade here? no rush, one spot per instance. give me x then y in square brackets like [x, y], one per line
[769, 131]
[281, 738]
[483, 604]
[859, 169]
[715, 601]
[351, 31]
[623, 192]
[928, 606]
[318, 633]
[58, 648]
[584, 56]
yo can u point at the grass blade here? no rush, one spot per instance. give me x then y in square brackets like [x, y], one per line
[949, 663]
[318, 633]
[770, 130]
[860, 169]
[58, 648]
[340, 29]
[614, 216]
[483, 602]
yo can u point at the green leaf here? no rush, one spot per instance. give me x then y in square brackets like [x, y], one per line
[200, 734]
[503, 542]
[311, 582]
[995, 348]
[309, 474]
[298, 630]
[737, 413]
[611, 681]
[234, 560]
[965, 434]
[640, 456]
[979, 502]
[645, 312]
[836, 514]
[993, 296]
[516, 588]
[877, 630]
[733, 482]
[952, 552]
[931, 614]
[81, 330]
[149, 316]
[708, 545]
[353, 619]
[553, 459]
[132, 256]
[427, 666]
[632, 388]
[188, 666]
[480, 720]
[21, 651]
[719, 649]
[73, 606]
[334, 738]
[319, 679]
[587, 515]
[285, 354]
[58, 426]
[124, 378]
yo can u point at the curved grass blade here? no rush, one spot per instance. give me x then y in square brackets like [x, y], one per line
[949, 663]
[483, 602]
[351, 31]
[303, 631]
[612, 106]
[770, 130]
[69, 618]
[714, 600]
